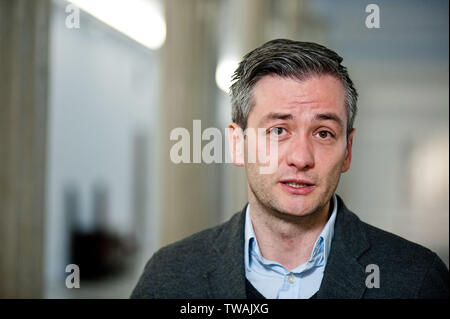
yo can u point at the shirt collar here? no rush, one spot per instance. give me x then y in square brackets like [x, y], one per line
[322, 245]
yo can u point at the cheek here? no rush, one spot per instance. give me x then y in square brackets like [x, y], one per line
[332, 162]
[256, 178]
[279, 152]
[261, 150]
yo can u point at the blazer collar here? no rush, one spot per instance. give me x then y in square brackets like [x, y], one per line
[344, 276]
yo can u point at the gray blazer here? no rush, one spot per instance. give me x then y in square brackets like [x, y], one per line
[210, 264]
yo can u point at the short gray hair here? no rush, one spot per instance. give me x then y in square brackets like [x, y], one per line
[287, 58]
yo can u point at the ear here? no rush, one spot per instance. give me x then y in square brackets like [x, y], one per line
[348, 153]
[236, 144]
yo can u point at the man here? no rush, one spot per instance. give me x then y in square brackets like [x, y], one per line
[295, 238]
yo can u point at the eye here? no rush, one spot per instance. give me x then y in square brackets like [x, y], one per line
[277, 131]
[325, 134]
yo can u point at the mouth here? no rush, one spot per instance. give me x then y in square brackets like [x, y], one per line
[297, 183]
[297, 187]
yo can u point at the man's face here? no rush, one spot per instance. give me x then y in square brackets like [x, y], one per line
[307, 120]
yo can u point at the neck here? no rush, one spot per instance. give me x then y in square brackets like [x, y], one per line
[288, 240]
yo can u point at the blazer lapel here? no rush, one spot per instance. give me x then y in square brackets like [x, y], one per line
[226, 277]
[344, 276]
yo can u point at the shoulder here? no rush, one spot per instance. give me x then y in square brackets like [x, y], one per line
[377, 244]
[404, 265]
[386, 245]
[406, 269]
[188, 250]
[178, 269]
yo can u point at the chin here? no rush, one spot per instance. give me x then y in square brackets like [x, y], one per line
[296, 209]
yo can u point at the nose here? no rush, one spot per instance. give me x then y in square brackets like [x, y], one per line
[300, 153]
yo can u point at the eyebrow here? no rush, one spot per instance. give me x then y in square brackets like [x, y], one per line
[329, 117]
[276, 116]
[317, 117]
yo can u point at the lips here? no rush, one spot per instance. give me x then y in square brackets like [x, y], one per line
[297, 186]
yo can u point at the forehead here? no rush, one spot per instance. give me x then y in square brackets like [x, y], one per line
[317, 93]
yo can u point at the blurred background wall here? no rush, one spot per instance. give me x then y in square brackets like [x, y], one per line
[87, 109]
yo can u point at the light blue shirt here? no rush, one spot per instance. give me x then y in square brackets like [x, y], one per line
[273, 280]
